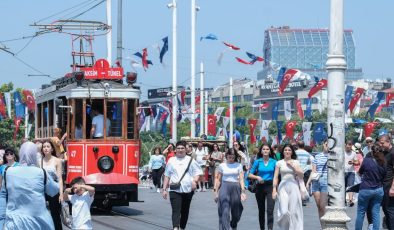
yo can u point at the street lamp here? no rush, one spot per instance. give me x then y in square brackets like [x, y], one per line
[335, 216]
[173, 6]
[194, 9]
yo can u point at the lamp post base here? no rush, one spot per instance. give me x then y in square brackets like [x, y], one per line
[335, 218]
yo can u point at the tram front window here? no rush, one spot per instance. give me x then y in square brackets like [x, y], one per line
[114, 114]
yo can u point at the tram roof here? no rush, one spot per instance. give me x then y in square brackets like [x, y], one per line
[89, 89]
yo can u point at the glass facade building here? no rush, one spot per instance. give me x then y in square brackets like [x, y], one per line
[306, 50]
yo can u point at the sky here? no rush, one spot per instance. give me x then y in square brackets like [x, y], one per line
[146, 22]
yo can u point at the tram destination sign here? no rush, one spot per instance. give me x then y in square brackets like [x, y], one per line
[159, 93]
[102, 70]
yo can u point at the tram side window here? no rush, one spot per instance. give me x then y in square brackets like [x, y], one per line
[131, 114]
[78, 133]
[114, 114]
[95, 110]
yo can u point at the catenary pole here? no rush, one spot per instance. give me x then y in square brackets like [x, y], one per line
[109, 34]
[201, 98]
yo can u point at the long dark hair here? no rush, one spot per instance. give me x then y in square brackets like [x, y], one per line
[231, 151]
[378, 154]
[154, 150]
[260, 154]
[16, 158]
[241, 147]
[53, 153]
[293, 154]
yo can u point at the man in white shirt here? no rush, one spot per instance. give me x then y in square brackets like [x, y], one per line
[350, 172]
[181, 196]
[97, 130]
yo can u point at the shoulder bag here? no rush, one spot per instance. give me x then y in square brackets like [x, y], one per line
[316, 175]
[176, 186]
[252, 187]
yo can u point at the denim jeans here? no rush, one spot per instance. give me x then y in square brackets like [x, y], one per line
[366, 197]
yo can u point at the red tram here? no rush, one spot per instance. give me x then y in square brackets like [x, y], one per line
[109, 163]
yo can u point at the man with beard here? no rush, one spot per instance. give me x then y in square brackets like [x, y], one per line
[388, 198]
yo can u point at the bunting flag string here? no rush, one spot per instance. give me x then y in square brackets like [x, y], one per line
[299, 108]
[286, 79]
[348, 96]
[209, 37]
[3, 113]
[164, 49]
[372, 109]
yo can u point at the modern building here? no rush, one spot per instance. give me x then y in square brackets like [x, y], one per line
[306, 50]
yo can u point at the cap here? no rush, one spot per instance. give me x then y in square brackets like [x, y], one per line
[357, 145]
[368, 139]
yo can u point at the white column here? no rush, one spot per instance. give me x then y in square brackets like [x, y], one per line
[109, 34]
[206, 113]
[231, 114]
[201, 98]
[174, 72]
[335, 216]
[193, 68]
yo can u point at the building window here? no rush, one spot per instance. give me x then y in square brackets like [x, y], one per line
[226, 98]
[248, 97]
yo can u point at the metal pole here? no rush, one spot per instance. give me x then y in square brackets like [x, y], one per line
[335, 216]
[201, 98]
[119, 33]
[109, 34]
[26, 122]
[231, 114]
[193, 68]
[206, 113]
[174, 72]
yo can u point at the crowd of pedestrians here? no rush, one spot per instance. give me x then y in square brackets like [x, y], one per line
[284, 176]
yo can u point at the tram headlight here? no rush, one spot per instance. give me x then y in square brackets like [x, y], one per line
[105, 164]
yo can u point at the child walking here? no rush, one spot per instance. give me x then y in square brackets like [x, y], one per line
[81, 197]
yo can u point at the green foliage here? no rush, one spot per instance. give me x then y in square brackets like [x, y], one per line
[7, 128]
[6, 87]
[149, 140]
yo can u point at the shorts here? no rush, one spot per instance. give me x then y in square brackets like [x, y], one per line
[349, 179]
[320, 185]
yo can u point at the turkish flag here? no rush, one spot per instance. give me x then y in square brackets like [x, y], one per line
[252, 126]
[389, 96]
[286, 79]
[380, 107]
[2, 106]
[356, 97]
[211, 125]
[197, 99]
[29, 100]
[368, 128]
[145, 58]
[265, 105]
[228, 112]
[318, 86]
[17, 122]
[299, 108]
[290, 125]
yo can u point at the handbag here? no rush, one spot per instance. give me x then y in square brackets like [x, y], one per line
[176, 186]
[252, 187]
[303, 191]
[316, 175]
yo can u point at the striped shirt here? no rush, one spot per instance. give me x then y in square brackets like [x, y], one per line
[304, 158]
[320, 163]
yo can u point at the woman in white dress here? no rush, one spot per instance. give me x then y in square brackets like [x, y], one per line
[290, 214]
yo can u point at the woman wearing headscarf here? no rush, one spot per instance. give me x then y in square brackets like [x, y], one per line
[9, 160]
[26, 185]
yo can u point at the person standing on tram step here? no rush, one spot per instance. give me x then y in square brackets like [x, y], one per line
[156, 166]
[26, 208]
[264, 165]
[97, 130]
[229, 191]
[53, 166]
[181, 176]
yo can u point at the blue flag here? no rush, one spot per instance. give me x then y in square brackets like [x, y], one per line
[19, 106]
[210, 37]
[197, 122]
[164, 125]
[275, 109]
[164, 49]
[358, 121]
[279, 125]
[308, 110]
[374, 106]
[240, 121]
[348, 96]
[281, 73]
[319, 135]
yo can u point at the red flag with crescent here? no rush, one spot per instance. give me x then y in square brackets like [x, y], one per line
[17, 122]
[380, 107]
[286, 79]
[211, 124]
[389, 96]
[252, 126]
[29, 100]
[317, 87]
[356, 97]
[233, 47]
[197, 99]
[369, 127]
[228, 112]
[145, 58]
[290, 125]
[265, 105]
[2, 106]
[242, 61]
[299, 108]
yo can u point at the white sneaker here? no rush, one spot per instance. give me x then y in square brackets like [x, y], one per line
[158, 190]
[370, 227]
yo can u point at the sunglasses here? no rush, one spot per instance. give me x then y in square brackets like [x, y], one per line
[9, 153]
[369, 141]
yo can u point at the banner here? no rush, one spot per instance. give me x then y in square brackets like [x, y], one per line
[286, 79]
[211, 125]
[389, 96]
[306, 130]
[252, 126]
[29, 100]
[368, 128]
[356, 97]
[239, 121]
[197, 122]
[299, 108]
[308, 110]
[226, 121]
[375, 104]
[3, 113]
[7, 97]
[219, 112]
[290, 125]
[317, 87]
[319, 135]
[287, 107]
[17, 122]
[348, 96]
[264, 134]
[18, 105]
[360, 132]
[275, 109]
[279, 125]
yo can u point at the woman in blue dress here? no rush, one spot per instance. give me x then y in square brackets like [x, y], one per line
[26, 185]
[9, 160]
